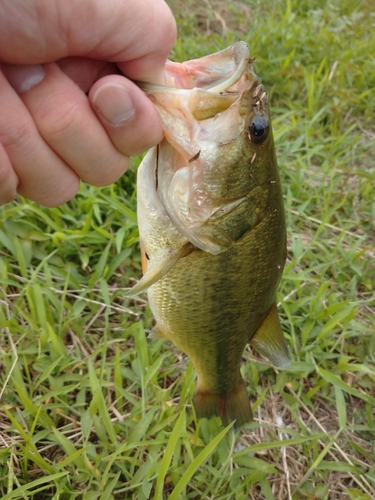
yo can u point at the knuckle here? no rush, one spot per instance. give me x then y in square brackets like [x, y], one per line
[110, 172]
[167, 32]
[170, 33]
[14, 137]
[144, 135]
[57, 195]
[8, 195]
[164, 32]
[61, 118]
[8, 187]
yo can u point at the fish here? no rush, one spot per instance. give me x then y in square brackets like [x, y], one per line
[212, 225]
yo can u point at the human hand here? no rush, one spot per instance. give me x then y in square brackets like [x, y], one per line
[52, 134]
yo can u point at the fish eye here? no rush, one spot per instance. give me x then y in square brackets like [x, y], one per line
[258, 129]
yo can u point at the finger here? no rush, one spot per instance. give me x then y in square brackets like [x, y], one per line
[8, 179]
[130, 136]
[141, 32]
[132, 130]
[67, 123]
[145, 58]
[129, 117]
[43, 176]
[84, 71]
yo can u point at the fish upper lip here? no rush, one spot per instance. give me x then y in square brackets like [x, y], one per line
[222, 87]
[242, 59]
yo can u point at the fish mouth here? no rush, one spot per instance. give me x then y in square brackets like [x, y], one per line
[207, 88]
[207, 101]
[215, 73]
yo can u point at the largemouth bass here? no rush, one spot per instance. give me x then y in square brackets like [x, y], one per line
[212, 226]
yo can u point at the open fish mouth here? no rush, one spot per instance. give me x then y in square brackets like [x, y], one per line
[226, 68]
[207, 87]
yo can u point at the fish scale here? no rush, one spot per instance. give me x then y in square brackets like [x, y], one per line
[212, 225]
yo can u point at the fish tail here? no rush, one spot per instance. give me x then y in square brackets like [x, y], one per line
[231, 406]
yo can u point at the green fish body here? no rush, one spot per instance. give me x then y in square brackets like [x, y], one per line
[212, 225]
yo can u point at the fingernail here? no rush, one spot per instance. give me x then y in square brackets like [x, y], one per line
[24, 77]
[113, 103]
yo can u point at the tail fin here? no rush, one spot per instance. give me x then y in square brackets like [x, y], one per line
[232, 406]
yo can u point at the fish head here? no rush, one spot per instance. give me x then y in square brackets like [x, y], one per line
[218, 152]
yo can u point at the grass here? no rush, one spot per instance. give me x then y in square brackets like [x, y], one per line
[91, 409]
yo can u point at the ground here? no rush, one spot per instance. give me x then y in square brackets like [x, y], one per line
[91, 409]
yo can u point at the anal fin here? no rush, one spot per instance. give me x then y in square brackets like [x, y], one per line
[269, 340]
[157, 272]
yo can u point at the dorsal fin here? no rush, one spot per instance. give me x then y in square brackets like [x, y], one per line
[269, 340]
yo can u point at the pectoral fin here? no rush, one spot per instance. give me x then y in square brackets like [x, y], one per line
[157, 272]
[269, 340]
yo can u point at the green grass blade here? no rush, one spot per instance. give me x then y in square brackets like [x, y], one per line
[356, 494]
[340, 406]
[196, 463]
[27, 488]
[69, 449]
[338, 382]
[107, 493]
[141, 428]
[75, 458]
[168, 454]
[254, 448]
[318, 460]
[98, 404]
[44, 418]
